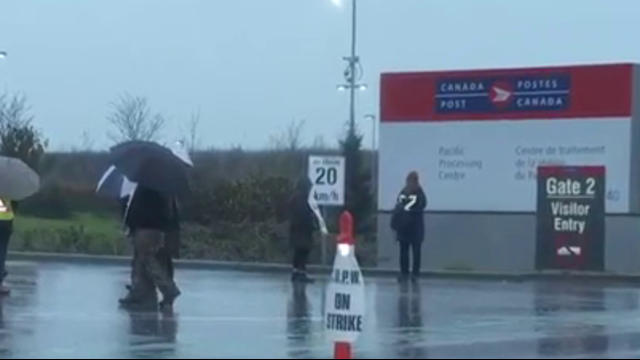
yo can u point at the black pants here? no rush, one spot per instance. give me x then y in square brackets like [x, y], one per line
[410, 246]
[300, 258]
[6, 228]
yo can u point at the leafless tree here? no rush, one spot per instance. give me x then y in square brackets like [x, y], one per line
[319, 143]
[18, 137]
[290, 139]
[87, 141]
[132, 119]
[192, 140]
[14, 111]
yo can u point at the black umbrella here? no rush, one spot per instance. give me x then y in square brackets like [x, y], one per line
[152, 165]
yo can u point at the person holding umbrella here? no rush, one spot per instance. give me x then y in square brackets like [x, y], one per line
[148, 218]
[18, 181]
[6, 229]
[114, 185]
[161, 176]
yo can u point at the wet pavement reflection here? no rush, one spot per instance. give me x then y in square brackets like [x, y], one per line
[153, 333]
[299, 322]
[60, 311]
[410, 342]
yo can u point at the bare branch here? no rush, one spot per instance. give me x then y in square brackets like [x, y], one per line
[194, 125]
[14, 111]
[319, 143]
[290, 139]
[132, 120]
[87, 141]
[18, 137]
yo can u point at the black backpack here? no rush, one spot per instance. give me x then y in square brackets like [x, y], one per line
[399, 218]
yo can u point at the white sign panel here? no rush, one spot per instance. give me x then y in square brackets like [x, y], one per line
[328, 177]
[345, 305]
[491, 165]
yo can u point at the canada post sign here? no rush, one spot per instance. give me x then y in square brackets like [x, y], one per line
[548, 92]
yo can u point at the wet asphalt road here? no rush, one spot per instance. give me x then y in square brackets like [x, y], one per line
[60, 311]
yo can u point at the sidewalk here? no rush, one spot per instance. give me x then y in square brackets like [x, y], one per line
[317, 269]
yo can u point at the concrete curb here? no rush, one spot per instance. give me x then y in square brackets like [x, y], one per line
[316, 269]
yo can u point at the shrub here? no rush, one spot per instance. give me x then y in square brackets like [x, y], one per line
[50, 203]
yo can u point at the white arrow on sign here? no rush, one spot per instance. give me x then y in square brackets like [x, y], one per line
[569, 251]
[501, 94]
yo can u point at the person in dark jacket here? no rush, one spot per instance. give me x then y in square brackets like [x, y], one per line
[7, 215]
[301, 228]
[148, 219]
[408, 223]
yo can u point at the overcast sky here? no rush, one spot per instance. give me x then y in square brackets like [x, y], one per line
[253, 66]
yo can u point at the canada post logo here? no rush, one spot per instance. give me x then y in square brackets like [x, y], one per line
[496, 94]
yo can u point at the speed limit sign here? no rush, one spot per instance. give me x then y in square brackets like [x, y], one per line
[327, 176]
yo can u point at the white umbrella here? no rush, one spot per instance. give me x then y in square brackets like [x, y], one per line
[17, 179]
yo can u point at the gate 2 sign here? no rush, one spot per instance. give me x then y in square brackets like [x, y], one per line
[327, 176]
[570, 230]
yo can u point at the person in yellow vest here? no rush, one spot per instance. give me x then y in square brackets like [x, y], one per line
[6, 228]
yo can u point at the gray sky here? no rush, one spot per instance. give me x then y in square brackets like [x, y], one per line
[253, 66]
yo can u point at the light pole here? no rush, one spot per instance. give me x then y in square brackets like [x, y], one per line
[353, 72]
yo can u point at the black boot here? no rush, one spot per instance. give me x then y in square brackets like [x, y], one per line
[130, 300]
[136, 298]
[168, 298]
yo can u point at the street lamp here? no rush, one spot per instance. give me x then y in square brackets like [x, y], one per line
[353, 72]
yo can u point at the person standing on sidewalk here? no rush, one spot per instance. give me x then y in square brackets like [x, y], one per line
[408, 223]
[6, 229]
[301, 227]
